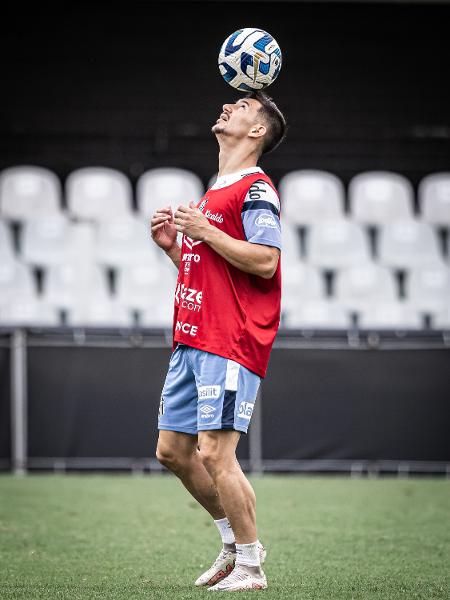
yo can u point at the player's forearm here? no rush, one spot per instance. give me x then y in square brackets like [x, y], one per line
[175, 255]
[250, 258]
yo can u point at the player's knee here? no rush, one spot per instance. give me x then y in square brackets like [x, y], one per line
[168, 457]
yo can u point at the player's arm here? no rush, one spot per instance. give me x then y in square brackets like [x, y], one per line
[164, 234]
[174, 254]
[256, 259]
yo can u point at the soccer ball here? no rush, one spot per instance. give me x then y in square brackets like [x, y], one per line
[250, 59]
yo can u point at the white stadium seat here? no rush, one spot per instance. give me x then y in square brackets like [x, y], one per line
[99, 312]
[160, 315]
[29, 192]
[142, 286]
[428, 288]
[359, 286]
[125, 241]
[318, 314]
[300, 283]
[390, 315]
[97, 193]
[54, 240]
[82, 242]
[405, 244]
[309, 197]
[290, 243]
[29, 311]
[441, 319]
[6, 242]
[167, 187]
[46, 240]
[71, 284]
[16, 281]
[380, 197]
[434, 199]
[334, 244]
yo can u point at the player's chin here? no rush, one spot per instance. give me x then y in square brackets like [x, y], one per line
[218, 126]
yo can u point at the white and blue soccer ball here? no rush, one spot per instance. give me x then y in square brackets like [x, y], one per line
[250, 59]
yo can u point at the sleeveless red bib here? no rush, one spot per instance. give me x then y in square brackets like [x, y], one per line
[219, 308]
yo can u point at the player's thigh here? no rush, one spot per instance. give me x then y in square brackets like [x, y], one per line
[178, 406]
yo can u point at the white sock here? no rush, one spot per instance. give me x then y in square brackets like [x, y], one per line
[226, 533]
[248, 554]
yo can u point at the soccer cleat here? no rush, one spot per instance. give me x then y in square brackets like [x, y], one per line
[223, 566]
[240, 579]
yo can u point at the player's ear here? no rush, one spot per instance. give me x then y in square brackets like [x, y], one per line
[258, 130]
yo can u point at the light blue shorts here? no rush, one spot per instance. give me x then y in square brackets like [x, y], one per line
[205, 391]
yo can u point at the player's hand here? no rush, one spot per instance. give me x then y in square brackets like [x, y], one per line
[164, 231]
[192, 222]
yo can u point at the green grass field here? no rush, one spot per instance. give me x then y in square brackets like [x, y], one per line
[124, 537]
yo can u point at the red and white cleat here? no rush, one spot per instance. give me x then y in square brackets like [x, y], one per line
[240, 579]
[221, 568]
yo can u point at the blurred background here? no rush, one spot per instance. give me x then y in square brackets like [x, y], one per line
[106, 114]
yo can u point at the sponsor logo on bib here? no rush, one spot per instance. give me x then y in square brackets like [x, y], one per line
[217, 217]
[186, 328]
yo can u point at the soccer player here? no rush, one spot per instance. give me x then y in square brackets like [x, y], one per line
[227, 311]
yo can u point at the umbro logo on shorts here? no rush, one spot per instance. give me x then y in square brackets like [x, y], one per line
[207, 411]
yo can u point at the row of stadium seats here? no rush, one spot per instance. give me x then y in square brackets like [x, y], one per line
[93, 313]
[122, 241]
[425, 289]
[83, 294]
[66, 285]
[336, 271]
[373, 198]
[70, 285]
[93, 193]
[56, 239]
[87, 294]
[336, 243]
[308, 196]
[317, 314]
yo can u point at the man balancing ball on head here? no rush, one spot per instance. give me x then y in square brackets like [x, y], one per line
[227, 311]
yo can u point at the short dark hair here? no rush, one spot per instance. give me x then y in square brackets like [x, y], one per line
[274, 118]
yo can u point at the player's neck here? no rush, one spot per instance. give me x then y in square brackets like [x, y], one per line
[232, 160]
